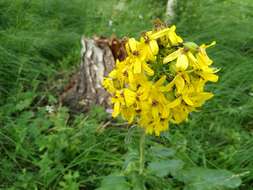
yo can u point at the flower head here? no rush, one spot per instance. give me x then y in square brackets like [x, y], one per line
[161, 80]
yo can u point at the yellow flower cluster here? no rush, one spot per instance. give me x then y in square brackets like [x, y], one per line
[160, 81]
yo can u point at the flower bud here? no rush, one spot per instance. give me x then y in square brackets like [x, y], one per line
[191, 46]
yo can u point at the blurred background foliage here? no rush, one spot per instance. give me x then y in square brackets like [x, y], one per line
[39, 50]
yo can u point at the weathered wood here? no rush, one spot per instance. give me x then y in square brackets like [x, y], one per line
[98, 57]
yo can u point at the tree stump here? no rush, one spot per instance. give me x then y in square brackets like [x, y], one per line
[85, 89]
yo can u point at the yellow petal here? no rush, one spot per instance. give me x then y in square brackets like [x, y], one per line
[113, 74]
[160, 81]
[187, 100]
[154, 47]
[108, 84]
[130, 97]
[165, 112]
[132, 44]
[137, 66]
[159, 127]
[159, 33]
[172, 56]
[128, 114]
[179, 115]
[118, 63]
[192, 58]
[148, 70]
[203, 57]
[168, 87]
[186, 77]
[174, 38]
[149, 129]
[211, 44]
[215, 70]
[200, 85]
[131, 80]
[200, 98]
[155, 113]
[173, 28]
[180, 83]
[116, 109]
[179, 39]
[174, 103]
[210, 77]
[182, 62]
[206, 95]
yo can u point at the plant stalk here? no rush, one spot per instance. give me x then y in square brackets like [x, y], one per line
[142, 153]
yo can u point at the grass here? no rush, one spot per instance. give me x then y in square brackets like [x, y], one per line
[39, 50]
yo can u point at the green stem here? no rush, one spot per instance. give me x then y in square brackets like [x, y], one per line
[142, 147]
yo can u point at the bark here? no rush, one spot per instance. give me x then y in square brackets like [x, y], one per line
[85, 89]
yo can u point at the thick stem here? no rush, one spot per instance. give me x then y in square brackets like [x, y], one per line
[142, 148]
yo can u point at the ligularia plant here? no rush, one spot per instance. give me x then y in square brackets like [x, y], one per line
[161, 80]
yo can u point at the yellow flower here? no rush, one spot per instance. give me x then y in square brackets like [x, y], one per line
[193, 98]
[174, 38]
[158, 34]
[209, 76]
[158, 126]
[149, 48]
[118, 101]
[120, 73]
[202, 55]
[130, 97]
[122, 99]
[108, 84]
[128, 113]
[180, 113]
[139, 97]
[154, 110]
[137, 56]
[166, 34]
[182, 59]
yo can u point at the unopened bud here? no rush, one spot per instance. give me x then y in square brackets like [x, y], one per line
[191, 46]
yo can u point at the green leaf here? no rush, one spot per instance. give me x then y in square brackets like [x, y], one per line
[205, 179]
[69, 181]
[23, 104]
[165, 167]
[131, 163]
[162, 152]
[113, 182]
[137, 181]
[25, 100]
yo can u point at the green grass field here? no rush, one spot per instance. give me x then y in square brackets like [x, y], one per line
[40, 48]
